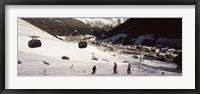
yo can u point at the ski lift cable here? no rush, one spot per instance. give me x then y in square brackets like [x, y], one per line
[33, 28]
[28, 26]
[27, 35]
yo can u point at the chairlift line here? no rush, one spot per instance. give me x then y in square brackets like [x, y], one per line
[28, 26]
[21, 34]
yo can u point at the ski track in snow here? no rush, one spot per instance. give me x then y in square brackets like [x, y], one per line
[53, 49]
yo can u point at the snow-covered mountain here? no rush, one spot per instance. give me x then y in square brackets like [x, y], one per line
[53, 49]
[76, 26]
[102, 22]
[127, 31]
[148, 31]
[46, 60]
[61, 26]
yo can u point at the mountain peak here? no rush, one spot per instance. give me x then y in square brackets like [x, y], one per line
[102, 22]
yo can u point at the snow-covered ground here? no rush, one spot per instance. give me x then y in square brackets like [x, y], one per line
[80, 62]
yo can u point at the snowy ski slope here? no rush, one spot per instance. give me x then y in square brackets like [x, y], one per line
[80, 62]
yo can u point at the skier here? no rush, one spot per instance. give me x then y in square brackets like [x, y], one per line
[94, 70]
[115, 68]
[72, 66]
[129, 69]
[45, 72]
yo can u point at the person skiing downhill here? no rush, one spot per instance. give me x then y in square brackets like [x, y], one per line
[94, 70]
[129, 69]
[115, 68]
[72, 66]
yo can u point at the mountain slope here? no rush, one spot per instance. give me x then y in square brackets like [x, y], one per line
[102, 22]
[80, 62]
[60, 26]
[138, 29]
[75, 26]
[52, 46]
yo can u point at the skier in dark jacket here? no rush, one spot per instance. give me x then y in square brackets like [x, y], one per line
[94, 70]
[129, 69]
[115, 68]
